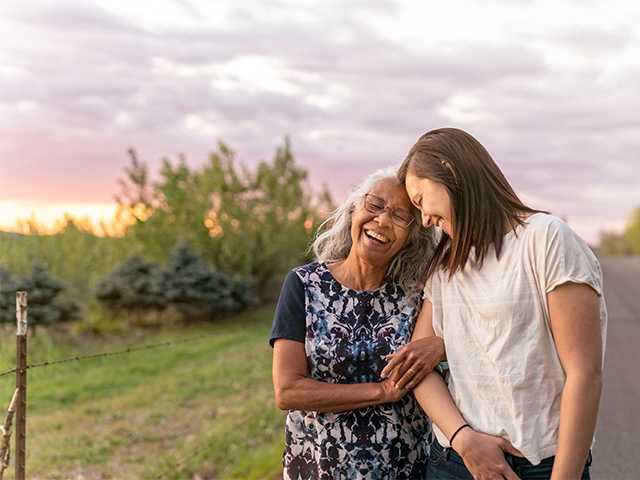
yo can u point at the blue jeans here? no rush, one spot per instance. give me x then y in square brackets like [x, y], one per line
[446, 464]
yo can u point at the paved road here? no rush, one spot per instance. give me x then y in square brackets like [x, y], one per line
[618, 439]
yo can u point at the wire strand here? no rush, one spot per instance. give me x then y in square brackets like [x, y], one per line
[48, 363]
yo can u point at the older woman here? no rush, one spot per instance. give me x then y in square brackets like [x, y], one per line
[336, 320]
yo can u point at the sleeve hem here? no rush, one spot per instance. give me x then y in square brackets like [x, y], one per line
[590, 281]
[284, 336]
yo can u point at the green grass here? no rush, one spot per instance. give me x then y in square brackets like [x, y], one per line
[196, 410]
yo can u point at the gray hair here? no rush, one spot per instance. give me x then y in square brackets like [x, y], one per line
[333, 239]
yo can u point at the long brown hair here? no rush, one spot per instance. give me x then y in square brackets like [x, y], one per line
[484, 206]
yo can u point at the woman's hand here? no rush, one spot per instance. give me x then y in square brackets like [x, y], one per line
[391, 393]
[409, 365]
[483, 455]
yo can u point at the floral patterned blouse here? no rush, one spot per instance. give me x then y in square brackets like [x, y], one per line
[347, 334]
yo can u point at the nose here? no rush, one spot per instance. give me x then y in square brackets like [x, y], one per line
[384, 218]
[426, 220]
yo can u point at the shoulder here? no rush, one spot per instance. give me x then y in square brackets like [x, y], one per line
[543, 227]
[563, 254]
[311, 276]
[296, 279]
[542, 222]
[307, 268]
[305, 273]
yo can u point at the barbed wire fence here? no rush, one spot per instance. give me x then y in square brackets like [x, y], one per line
[125, 351]
[18, 404]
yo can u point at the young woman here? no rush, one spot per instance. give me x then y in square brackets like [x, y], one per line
[517, 297]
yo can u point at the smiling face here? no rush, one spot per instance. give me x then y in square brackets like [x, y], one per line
[432, 199]
[376, 238]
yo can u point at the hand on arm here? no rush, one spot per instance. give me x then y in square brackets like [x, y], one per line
[483, 454]
[574, 311]
[413, 362]
[294, 390]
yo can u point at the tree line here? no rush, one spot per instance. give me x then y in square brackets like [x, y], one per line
[194, 243]
[626, 242]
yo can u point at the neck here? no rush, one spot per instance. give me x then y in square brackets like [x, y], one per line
[358, 274]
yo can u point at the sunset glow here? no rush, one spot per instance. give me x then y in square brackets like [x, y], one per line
[100, 217]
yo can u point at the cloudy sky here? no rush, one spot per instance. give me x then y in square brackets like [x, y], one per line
[550, 88]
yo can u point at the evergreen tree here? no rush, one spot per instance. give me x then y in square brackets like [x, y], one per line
[199, 292]
[188, 285]
[47, 305]
[8, 288]
[136, 285]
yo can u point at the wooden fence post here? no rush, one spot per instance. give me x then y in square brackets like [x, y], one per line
[21, 385]
[5, 443]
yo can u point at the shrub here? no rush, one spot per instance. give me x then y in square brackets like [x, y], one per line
[196, 291]
[135, 285]
[187, 286]
[8, 288]
[47, 304]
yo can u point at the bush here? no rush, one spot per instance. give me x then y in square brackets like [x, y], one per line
[186, 286]
[614, 243]
[8, 288]
[632, 232]
[196, 291]
[46, 303]
[135, 285]
[626, 242]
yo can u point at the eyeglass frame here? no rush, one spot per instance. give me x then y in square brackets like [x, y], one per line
[386, 208]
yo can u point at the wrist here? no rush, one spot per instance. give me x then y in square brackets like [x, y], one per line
[380, 394]
[567, 468]
[441, 351]
[461, 441]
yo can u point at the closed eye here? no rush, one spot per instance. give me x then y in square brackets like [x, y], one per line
[417, 202]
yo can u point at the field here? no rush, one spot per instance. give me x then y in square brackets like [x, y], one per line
[194, 410]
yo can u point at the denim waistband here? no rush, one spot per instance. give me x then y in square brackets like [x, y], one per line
[514, 461]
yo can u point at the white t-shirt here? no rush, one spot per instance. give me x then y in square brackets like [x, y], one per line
[505, 373]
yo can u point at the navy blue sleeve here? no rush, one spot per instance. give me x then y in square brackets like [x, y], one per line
[289, 319]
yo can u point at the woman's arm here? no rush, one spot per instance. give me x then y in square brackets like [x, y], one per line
[483, 454]
[574, 311]
[294, 390]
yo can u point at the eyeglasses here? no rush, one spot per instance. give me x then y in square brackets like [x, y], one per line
[377, 206]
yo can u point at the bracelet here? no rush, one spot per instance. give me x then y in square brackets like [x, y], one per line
[456, 433]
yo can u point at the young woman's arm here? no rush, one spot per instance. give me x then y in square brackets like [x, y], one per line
[294, 390]
[413, 362]
[574, 311]
[483, 454]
